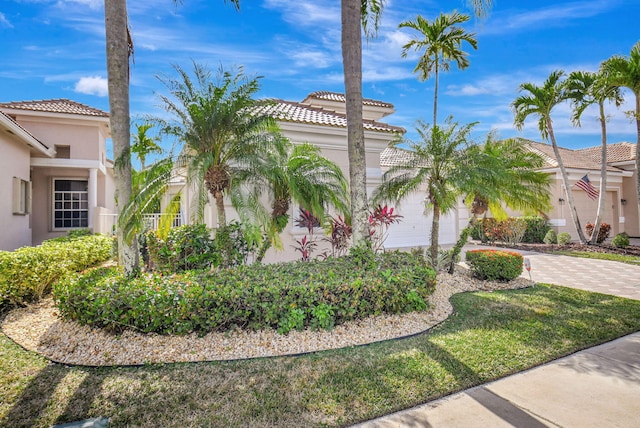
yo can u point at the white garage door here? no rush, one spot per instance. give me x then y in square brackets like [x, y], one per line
[414, 229]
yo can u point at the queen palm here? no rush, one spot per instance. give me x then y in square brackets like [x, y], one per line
[625, 72]
[222, 130]
[439, 163]
[441, 41]
[296, 174]
[539, 101]
[586, 89]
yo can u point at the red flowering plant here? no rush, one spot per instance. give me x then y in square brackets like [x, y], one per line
[339, 236]
[307, 244]
[380, 220]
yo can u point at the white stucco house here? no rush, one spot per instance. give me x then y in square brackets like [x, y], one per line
[54, 171]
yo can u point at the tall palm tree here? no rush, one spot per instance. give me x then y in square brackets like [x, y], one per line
[221, 127]
[299, 173]
[438, 162]
[119, 48]
[586, 89]
[356, 16]
[540, 101]
[625, 72]
[441, 41]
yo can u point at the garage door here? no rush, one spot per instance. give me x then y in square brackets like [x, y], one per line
[414, 230]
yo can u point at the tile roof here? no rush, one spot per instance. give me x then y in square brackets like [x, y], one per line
[334, 96]
[393, 156]
[55, 106]
[618, 152]
[291, 111]
[571, 158]
[26, 131]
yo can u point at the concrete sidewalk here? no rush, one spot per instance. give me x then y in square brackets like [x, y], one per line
[597, 387]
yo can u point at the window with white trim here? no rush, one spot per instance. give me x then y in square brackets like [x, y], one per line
[70, 204]
[21, 196]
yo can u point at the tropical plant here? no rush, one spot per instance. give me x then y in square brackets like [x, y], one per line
[539, 101]
[143, 145]
[625, 72]
[441, 43]
[288, 173]
[380, 220]
[586, 89]
[437, 162]
[222, 129]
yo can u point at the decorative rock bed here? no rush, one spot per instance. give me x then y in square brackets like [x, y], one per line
[38, 328]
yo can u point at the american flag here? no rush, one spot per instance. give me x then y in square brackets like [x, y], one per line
[586, 185]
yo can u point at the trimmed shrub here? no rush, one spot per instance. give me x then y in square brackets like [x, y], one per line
[621, 240]
[29, 272]
[603, 233]
[186, 247]
[495, 265]
[284, 296]
[513, 230]
[564, 238]
[551, 237]
[537, 229]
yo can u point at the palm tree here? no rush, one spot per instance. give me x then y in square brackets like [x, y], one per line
[143, 145]
[356, 16]
[504, 174]
[437, 162]
[539, 102]
[118, 50]
[585, 89]
[299, 173]
[441, 41]
[222, 128]
[625, 72]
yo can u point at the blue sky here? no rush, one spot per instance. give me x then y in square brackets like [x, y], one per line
[55, 49]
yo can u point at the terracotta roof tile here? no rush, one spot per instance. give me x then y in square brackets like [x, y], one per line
[618, 152]
[55, 106]
[290, 111]
[570, 158]
[334, 96]
[8, 117]
[393, 156]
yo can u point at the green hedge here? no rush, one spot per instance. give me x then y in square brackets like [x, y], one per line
[529, 229]
[28, 272]
[495, 265]
[282, 296]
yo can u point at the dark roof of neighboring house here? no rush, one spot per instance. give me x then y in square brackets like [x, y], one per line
[334, 96]
[571, 158]
[618, 152]
[55, 106]
[291, 111]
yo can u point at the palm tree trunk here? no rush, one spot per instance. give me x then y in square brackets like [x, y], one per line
[435, 232]
[435, 94]
[352, 63]
[603, 178]
[222, 214]
[565, 181]
[637, 112]
[115, 13]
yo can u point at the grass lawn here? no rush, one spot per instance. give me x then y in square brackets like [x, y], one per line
[623, 258]
[490, 336]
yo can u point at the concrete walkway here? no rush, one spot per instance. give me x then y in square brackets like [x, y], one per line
[597, 387]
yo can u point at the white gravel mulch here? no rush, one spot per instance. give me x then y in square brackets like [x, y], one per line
[38, 328]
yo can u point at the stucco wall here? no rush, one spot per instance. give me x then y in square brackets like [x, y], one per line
[84, 138]
[15, 230]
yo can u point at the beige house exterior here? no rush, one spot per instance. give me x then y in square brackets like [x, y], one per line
[54, 170]
[621, 209]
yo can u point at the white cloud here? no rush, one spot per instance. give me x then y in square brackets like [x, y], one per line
[93, 4]
[4, 22]
[94, 85]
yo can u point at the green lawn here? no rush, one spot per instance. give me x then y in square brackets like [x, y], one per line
[490, 336]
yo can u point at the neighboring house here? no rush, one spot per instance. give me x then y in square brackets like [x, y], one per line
[621, 209]
[54, 170]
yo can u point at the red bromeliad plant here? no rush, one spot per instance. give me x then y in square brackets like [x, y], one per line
[380, 220]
